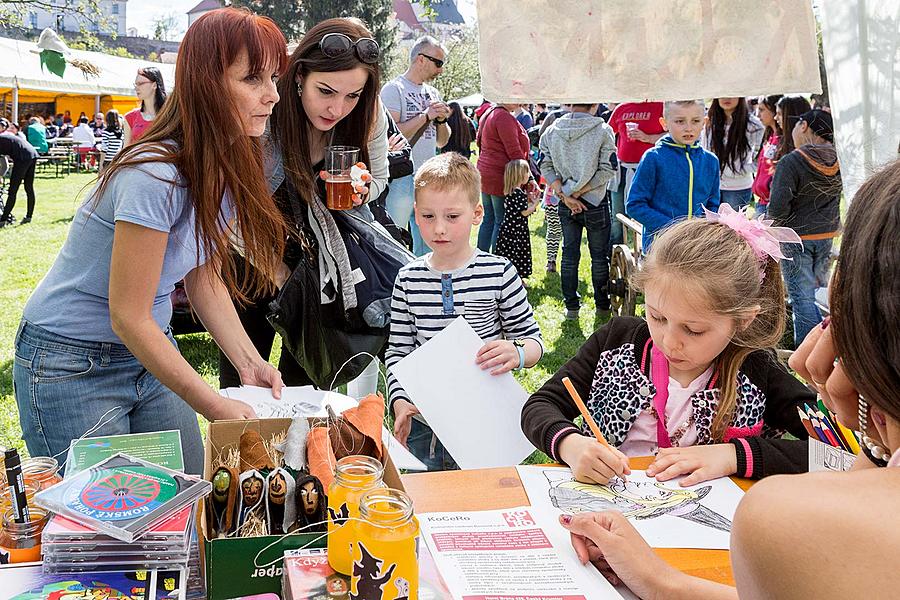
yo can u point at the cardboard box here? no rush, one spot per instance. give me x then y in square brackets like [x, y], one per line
[229, 563]
[823, 457]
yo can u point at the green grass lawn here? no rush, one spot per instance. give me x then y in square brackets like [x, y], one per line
[26, 253]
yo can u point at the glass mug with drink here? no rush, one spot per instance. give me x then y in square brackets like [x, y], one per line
[338, 183]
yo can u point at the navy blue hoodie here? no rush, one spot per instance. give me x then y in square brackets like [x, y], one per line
[672, 181]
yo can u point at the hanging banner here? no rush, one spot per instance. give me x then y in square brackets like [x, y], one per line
[862, 55]
[620, 50]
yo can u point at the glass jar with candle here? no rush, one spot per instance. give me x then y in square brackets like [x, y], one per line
[42, 470]
[385, 561]
[21, 542]
[353, 476]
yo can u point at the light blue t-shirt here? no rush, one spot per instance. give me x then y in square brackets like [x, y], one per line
[73, 298]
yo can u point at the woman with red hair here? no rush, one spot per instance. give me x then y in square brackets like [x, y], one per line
[94, 353]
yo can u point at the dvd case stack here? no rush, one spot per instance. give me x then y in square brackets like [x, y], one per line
[124, 514]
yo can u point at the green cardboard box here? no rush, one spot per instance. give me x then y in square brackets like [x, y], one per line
[229, 563]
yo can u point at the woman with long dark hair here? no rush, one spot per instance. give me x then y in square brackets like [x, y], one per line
[734, 136]
[151, 90]
[462, 131]
[329, 96]
[787, 115]
[94, 351]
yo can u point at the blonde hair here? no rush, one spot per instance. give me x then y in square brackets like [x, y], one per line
[515, 175]
[671, 105]
[712, 258]
[449, 171]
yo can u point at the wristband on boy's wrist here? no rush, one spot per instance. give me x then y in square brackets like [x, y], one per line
[520, 348]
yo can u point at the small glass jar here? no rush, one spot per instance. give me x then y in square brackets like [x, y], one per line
[42, 470]
[21, 542]
[353, 476]
[385, 557]
[31, 488]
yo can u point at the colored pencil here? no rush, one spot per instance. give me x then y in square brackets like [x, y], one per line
[828, 416]
[804, 418]
[849, 436]
[582, 408]
[816, 425]
[830, 429]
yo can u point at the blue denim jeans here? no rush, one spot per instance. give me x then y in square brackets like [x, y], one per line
[738, 199]
[490, 226]
[595, 220]
[803, 275]
[399, 201]
[399, 206]
[426, 446]
[64, 387]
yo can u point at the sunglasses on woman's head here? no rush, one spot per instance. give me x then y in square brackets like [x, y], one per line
[334, 45]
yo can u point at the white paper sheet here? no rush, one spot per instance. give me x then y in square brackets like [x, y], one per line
[403, 458]
[618, 50]
[666, 515]
[475, 414]
[506, 555]
[307, 401]
[295, 401]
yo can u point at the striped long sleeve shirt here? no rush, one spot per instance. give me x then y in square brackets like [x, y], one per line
[487, 291]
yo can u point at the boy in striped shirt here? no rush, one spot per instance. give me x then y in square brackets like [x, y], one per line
[454, 280]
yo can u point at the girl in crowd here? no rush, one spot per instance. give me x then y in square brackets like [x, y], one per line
[113, 137]
[779, 546]
[329, 96]
[500, 139]
[698, 376]
[514, 240]
[94, 347]
[151, 91]
[765, 166]
[734, 136]
[462, 131]
[787, 113]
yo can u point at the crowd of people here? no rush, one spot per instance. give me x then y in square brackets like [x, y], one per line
[95, 142]
[240, 219]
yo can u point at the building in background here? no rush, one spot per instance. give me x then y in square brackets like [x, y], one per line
[201, 9]
[110, 21]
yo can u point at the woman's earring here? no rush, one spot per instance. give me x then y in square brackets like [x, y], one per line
[299, 88]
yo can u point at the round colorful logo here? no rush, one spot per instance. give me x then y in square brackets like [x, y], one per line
[114, 495]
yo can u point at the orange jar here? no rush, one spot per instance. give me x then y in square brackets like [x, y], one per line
[42, 470]
[21, 542]
[31, 488]
[353, 476]
[385, 557]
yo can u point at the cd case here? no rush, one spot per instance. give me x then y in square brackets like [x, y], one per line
[123, 496]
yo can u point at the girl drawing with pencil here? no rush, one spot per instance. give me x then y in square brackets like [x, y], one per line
[697, 383]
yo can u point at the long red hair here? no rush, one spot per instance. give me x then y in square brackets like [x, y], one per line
[195, 131]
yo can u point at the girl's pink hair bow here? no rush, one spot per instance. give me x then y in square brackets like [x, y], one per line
[764, 239]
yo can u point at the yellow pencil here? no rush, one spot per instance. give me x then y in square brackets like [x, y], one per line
[849, 436]
[582, 408]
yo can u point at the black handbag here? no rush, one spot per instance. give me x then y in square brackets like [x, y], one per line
[322, 337]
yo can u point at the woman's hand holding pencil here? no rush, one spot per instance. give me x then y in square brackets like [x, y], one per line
[591, 461]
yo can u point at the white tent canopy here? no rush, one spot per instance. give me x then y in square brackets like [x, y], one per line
[20, 69]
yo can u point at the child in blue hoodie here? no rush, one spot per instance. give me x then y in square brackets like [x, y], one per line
[677, 177]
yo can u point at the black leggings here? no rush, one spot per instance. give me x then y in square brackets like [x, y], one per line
[21, 171]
